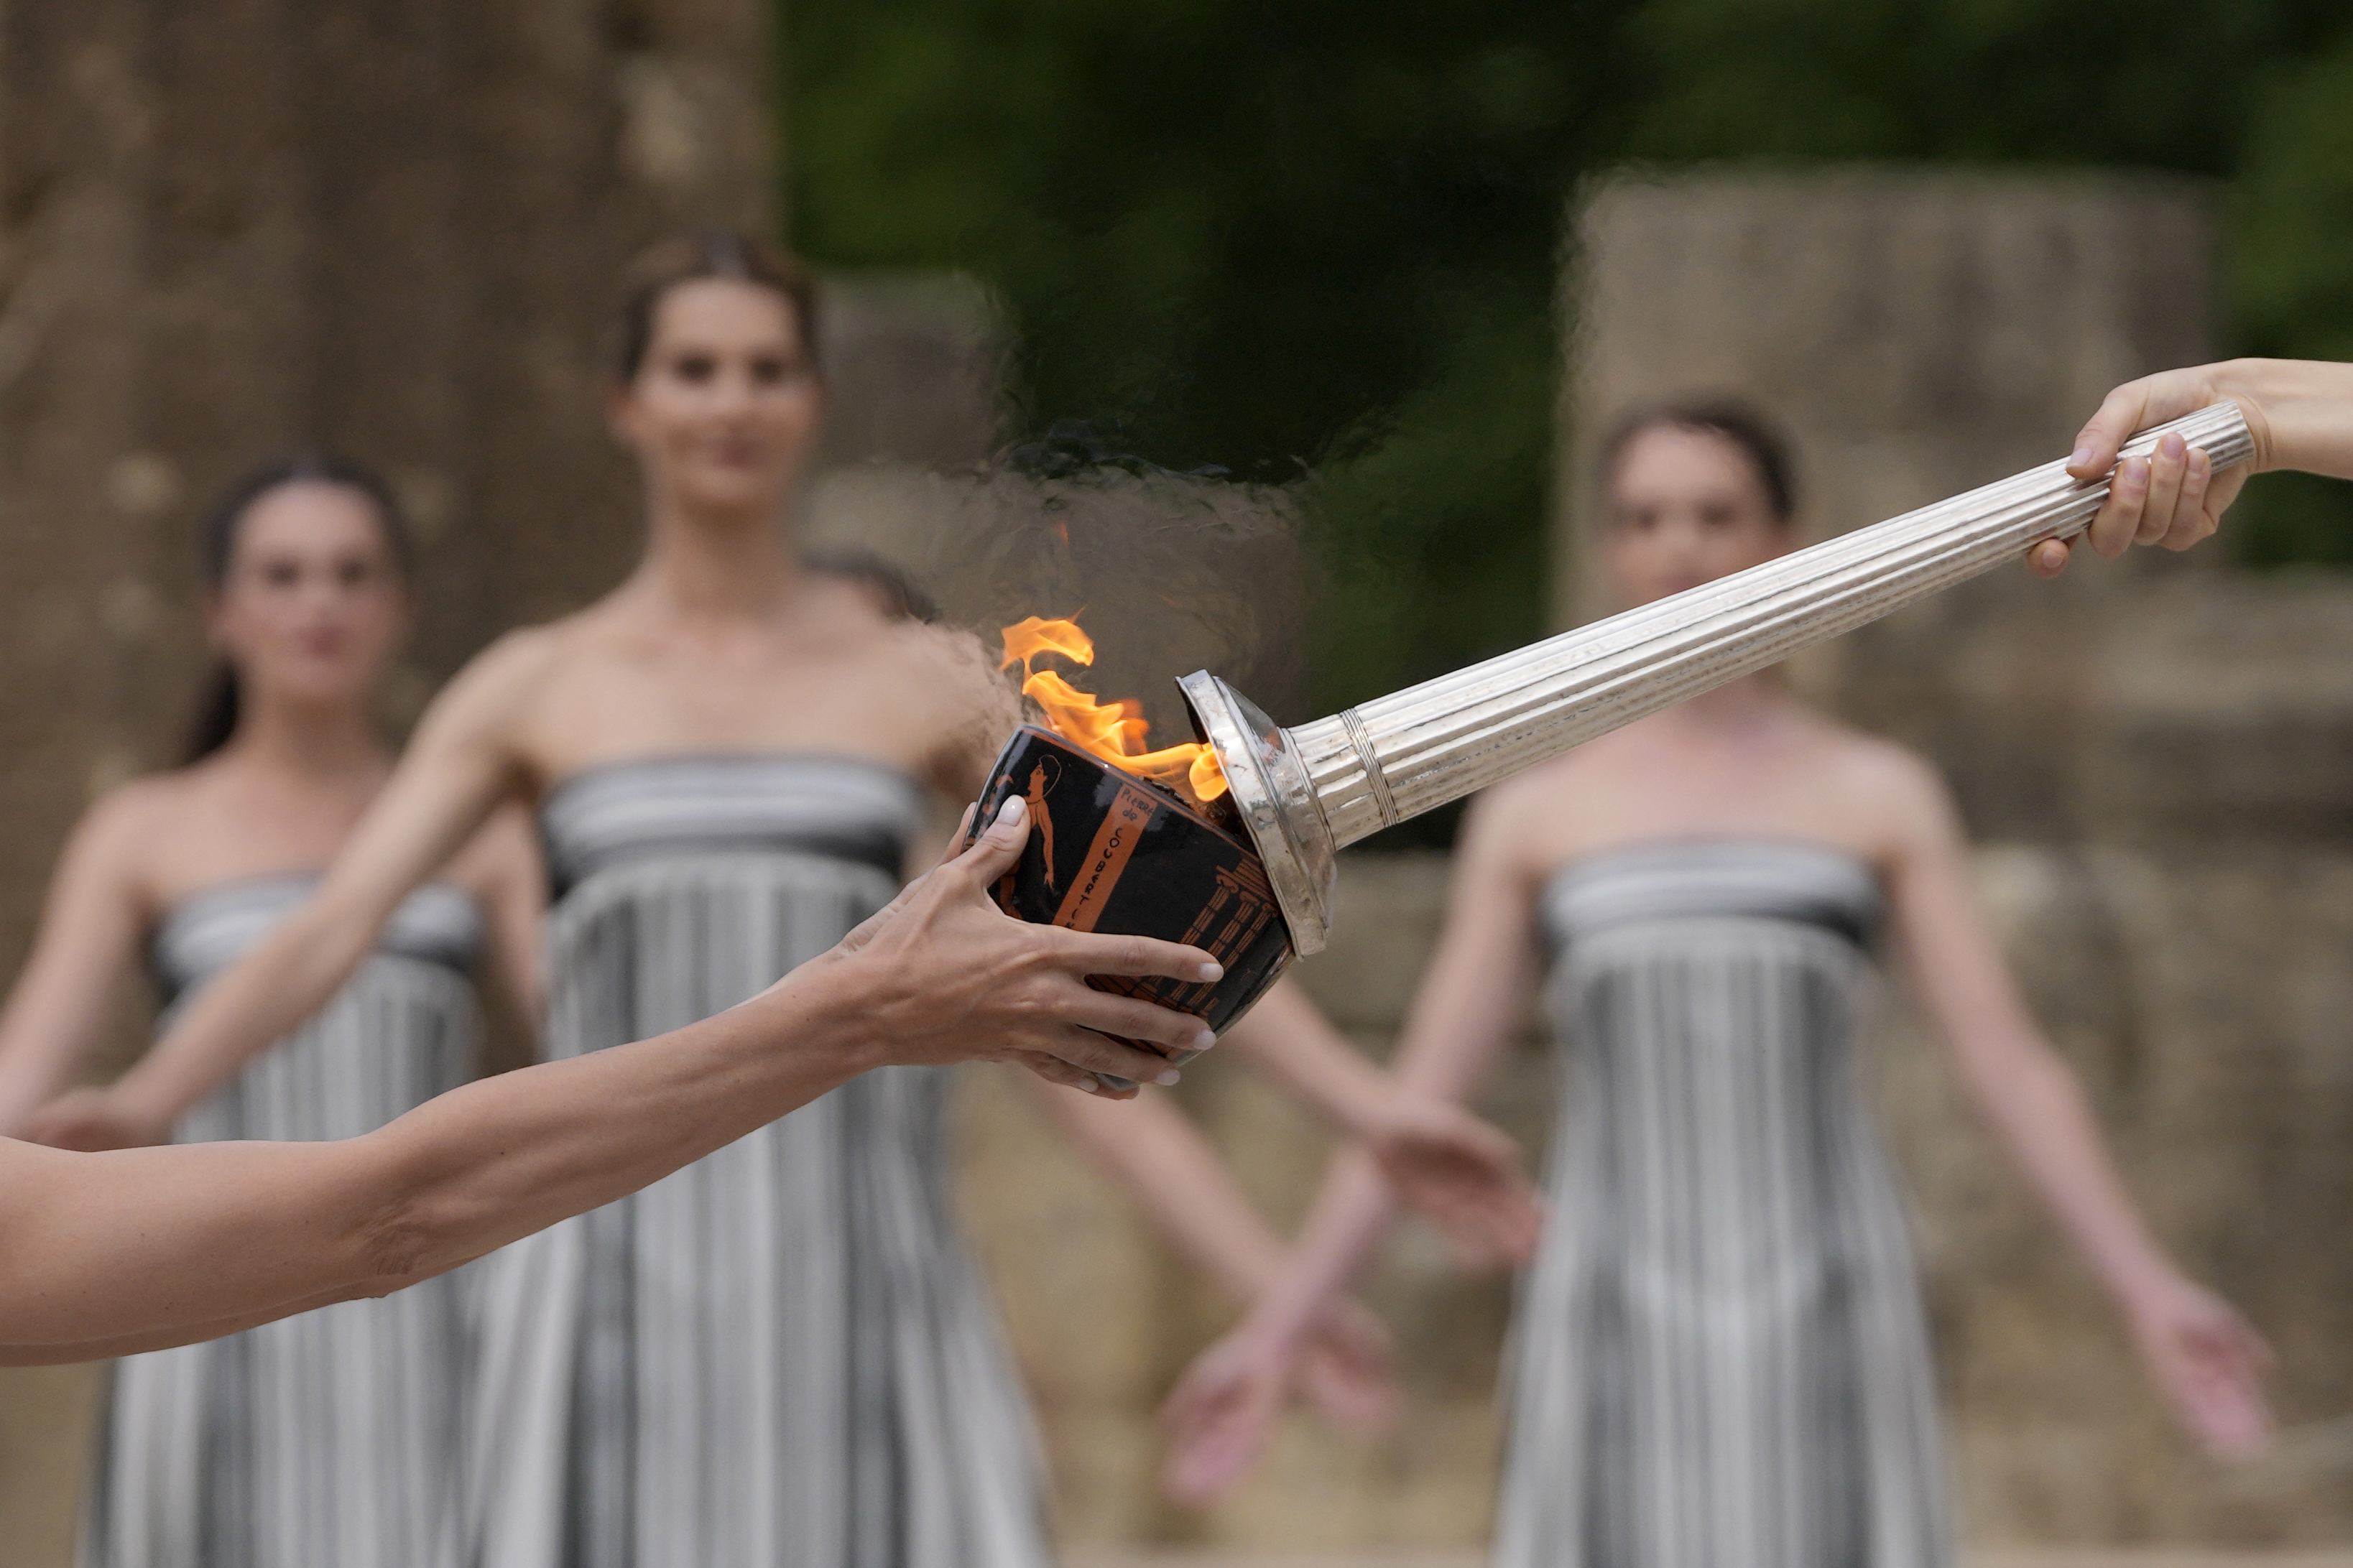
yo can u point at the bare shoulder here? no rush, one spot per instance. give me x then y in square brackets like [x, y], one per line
[529, 653]
[123, 826]
[973, 708]
[498, 685]
[1508, 826]
[1554, 785]
[1892, 789]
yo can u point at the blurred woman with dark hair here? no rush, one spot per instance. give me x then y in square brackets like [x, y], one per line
[1720, 1356]
[330, 1437]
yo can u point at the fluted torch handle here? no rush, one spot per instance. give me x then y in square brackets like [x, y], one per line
[1400, 755]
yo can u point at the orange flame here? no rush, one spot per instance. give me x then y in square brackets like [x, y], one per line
[1115, 731]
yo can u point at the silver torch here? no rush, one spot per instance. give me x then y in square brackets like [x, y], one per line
[1121, 855]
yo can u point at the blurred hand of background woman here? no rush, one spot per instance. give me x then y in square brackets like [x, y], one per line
[2208, 1363]
[1224, 1410]
[1463, 1174]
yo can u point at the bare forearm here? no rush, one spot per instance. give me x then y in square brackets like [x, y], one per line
[1351, 1210]
[1285, 1037]
[57, 1012]
[500, 1159]
[2307, 407]
[1459, 1020]
[2038, 1110]
[32, 1070]
[164, 1242]
[1178, 1182]
[53, 1354]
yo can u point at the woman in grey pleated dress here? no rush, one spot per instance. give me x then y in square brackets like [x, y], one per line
[780, 1355]
[329, 1438]
[1720, 1355]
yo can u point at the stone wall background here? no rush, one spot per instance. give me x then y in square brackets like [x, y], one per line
[232, 228]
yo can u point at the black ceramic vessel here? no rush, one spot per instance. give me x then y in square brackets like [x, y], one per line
[1109, 852]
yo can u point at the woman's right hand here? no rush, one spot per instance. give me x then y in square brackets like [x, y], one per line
[944, 976]
[2299, 412]
[2172, 497]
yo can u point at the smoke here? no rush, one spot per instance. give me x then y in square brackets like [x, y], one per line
[1168, 571]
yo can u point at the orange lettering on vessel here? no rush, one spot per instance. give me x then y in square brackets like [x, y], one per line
[1107, 856]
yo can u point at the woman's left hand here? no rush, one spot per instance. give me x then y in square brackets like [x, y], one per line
[1463, 1175]
[2207, 1362]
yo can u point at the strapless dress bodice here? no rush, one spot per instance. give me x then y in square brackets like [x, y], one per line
[661, 807]
[212, 927]
[1702, 878]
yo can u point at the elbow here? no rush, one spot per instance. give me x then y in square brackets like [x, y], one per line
[405, 1228]
[395, 1247]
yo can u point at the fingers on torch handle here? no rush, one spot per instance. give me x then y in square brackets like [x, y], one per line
[2122, 412]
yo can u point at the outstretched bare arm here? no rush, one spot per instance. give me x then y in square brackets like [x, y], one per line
[139, 1248]
[2202, 1356]
[1453, 1167]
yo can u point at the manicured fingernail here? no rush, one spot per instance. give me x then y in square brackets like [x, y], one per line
[1211, 971]
[1089, 1083]
[2173, 446]
[1013, 813]
[2133, 475]
[1205, 1039]
[2083, 458]
[1169, 1079]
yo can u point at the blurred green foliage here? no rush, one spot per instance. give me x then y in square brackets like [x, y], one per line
[1308, 237]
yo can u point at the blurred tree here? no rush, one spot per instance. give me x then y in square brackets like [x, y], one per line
[1280, 239]
[1320, 237]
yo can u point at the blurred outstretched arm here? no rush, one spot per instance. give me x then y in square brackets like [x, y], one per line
[1224, 1407]
[2202, 1356]
[1157, 1153]
[458, 767]
[90, 929]
[1453, 1168]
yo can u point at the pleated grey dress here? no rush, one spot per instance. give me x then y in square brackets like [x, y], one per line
[1720, 1357]
[329, 1438]
[781, 1356]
